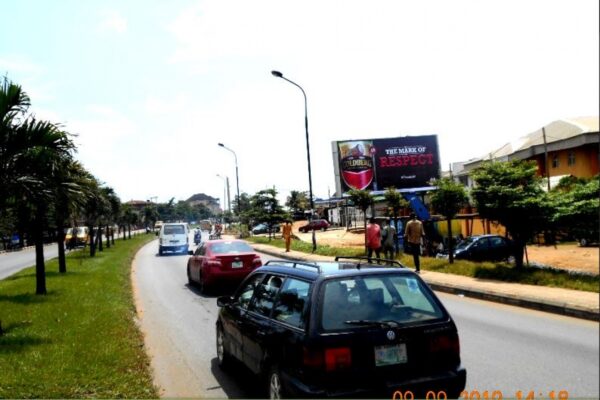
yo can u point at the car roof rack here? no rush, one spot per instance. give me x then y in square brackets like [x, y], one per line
[386, 262]
[295, 263]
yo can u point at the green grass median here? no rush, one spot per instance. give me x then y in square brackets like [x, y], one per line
[80, 340]
[485, 270]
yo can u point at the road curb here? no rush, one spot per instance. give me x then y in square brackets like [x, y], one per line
[531, 303]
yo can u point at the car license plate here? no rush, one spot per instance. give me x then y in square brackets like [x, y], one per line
[237, 264]
[390, 355]
[174, 241]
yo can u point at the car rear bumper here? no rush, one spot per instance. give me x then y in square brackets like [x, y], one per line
[226, 277]
[175, 248]
[451, 383]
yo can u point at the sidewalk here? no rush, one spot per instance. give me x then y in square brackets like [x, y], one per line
[573, 303]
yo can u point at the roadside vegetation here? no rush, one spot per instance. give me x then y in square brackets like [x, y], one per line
[305, 247]
[80, 340]
[485, 270]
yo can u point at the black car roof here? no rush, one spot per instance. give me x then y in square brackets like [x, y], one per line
[313, 271]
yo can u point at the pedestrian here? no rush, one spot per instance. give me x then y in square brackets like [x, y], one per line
[373, 239]
[388, 236]
[412, 236]
[287, 235]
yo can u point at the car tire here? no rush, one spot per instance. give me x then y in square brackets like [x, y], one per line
[223, 357]
[323, 229]
[160, 251]
[583, 242]
[201, 286]
[510, 259]
[189, 275]
[275, 386]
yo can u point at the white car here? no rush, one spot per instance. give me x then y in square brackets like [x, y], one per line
[173, 237]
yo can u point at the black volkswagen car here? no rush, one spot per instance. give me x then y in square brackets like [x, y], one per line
[341, 329]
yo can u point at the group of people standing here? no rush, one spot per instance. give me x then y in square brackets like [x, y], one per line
[383, 239]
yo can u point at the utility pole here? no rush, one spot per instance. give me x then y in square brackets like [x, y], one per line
[546, 158]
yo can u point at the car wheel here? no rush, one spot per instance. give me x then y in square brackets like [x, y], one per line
[160, 251]
[201, 286]
[323, 229]
[583, 242]
[190, 281]
[223, 357]
[510, 259]
[275, 386]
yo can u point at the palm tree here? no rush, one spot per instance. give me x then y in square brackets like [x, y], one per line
[31, 154]
[363, 200]
[69, 197]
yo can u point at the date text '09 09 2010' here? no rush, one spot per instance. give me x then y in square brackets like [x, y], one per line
[485, 395]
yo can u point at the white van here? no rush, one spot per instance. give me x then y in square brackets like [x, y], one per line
[173, 237]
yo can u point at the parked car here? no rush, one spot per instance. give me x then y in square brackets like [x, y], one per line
[264, 228]
[343, 329]
[173, 237]
[78, 236]
[315, 224]
[221, 262]
[484, 248]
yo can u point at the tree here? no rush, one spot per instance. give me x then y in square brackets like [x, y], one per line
[576, 208]
[297, 202]
[69, 197]
[363, 200]
[396, 202]
[241, 208]
[510, 193]
[31, 153]
[447, 200]
[96, 206]
[264, 207]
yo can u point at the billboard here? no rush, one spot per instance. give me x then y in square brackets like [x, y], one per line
[376, 164]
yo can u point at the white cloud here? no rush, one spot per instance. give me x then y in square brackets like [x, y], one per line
[112, 21]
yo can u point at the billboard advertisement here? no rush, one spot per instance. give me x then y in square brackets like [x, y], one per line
[376, 164]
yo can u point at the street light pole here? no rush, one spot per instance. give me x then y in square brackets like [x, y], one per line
[278, 74]
[228, 198]
[237, 177]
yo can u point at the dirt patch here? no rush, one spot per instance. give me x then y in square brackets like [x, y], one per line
[564, 256]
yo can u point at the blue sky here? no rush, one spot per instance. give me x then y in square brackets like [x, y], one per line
[151, 87]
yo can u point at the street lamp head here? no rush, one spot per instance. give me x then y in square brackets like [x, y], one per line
[277, 74]
[221, 144]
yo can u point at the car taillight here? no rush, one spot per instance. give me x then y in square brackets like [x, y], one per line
[313, 358]
[213, 262]
[338, 358]
[331, 359]
[257, 262]
[445, 343]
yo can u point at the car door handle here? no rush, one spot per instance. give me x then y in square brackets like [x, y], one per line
[261, 333]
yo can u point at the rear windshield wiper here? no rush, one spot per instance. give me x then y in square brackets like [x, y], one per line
[385, 324]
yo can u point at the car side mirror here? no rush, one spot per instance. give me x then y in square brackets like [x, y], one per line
[224, 301]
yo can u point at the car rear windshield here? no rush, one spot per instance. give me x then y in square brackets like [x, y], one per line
[376, 298]
[230, 248]
[174, 230]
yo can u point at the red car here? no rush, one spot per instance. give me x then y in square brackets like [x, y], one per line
[221, 261]
[315, 224]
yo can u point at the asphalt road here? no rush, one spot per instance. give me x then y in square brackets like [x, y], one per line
[504, 348]
[14, 261]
